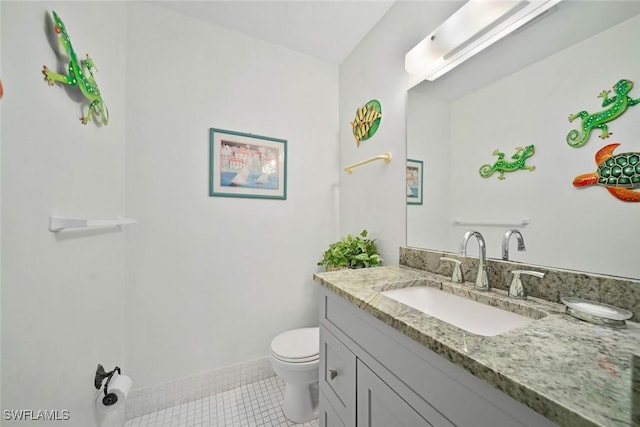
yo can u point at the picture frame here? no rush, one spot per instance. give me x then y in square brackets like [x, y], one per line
[247, 165]
[414, 181]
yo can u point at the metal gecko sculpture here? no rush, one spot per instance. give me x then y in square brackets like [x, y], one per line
[501, 166]
[619, 103]
[619, 174]
[367, 121]
[80, 74]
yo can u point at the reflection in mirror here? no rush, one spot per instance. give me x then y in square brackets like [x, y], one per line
[520, 92]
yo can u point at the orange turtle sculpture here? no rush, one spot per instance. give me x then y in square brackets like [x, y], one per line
[619, 174]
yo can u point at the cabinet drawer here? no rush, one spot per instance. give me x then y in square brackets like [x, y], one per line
[334, 314]
[338, 376]
[328, 416]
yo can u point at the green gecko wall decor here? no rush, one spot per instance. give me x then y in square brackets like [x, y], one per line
[501, 166]
[619, 103]
[80, 75]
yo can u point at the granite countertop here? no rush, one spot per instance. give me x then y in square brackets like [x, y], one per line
[573, 372]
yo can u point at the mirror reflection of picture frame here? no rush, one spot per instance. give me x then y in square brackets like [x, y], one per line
[247, 165]
[414, 182]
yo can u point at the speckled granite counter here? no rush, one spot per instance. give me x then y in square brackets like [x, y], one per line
[613, 290]
[574, 373]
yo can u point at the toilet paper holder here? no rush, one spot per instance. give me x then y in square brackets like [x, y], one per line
[109, 398]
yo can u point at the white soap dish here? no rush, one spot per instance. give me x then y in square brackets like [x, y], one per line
[596, 312]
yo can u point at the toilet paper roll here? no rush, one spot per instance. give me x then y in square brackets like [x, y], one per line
[117, 392]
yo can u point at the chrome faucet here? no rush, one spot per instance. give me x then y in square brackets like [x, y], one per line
[456, 276]
[505, 243]
[482, 282]
[517, 289]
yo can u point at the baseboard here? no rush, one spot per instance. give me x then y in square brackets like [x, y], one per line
[150, 399]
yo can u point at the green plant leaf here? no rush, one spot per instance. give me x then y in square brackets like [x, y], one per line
[353, 252]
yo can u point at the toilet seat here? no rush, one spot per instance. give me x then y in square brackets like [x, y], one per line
[297, 345]
[294, 361]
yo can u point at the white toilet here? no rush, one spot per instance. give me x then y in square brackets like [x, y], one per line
[295, 357]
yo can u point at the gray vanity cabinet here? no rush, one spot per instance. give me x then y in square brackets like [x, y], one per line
[328, 416]
[338, 377]
[373, 375]
[378, 405]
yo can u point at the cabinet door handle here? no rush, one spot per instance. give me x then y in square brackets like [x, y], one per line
[332, 373]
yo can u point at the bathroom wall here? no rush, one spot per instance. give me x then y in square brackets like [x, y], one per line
[62, 294]
[211, 280]
[199, 282]
[374, 196]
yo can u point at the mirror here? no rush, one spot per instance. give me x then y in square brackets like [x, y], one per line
[520, 92]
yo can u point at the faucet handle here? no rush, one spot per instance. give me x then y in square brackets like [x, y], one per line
[516, 290]
[457, 276]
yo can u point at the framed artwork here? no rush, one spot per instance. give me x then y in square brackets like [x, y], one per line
[414, 182]
[246, 165]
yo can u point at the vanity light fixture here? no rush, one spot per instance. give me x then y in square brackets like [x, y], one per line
[472, 28]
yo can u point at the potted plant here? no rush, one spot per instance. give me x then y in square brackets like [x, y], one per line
[351, 252]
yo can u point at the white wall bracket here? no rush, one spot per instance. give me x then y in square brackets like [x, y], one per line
[57, 223]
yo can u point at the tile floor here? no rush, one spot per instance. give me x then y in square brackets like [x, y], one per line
[252, 405]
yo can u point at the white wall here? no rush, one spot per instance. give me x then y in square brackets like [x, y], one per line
[570, 228]
[200, 282]
[374, 196]
[62, 294]
[211, 280]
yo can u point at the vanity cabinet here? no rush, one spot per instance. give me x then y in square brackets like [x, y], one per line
[379, 405]
[328, 416]
[373, 375]
[338, 376]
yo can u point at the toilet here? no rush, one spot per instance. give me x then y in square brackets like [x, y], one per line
[295, 357]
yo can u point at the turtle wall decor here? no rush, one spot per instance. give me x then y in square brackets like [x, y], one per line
[619, 173]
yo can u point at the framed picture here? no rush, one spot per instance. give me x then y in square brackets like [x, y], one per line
[246, 165]
[414, 182]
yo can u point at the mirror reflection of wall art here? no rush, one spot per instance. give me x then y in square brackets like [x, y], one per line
[367, 121]
[501, 165]
[618, 105]
[414, 182]
[246, 165]
[620, 173]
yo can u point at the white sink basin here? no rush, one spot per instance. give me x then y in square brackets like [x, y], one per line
[471, 316]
